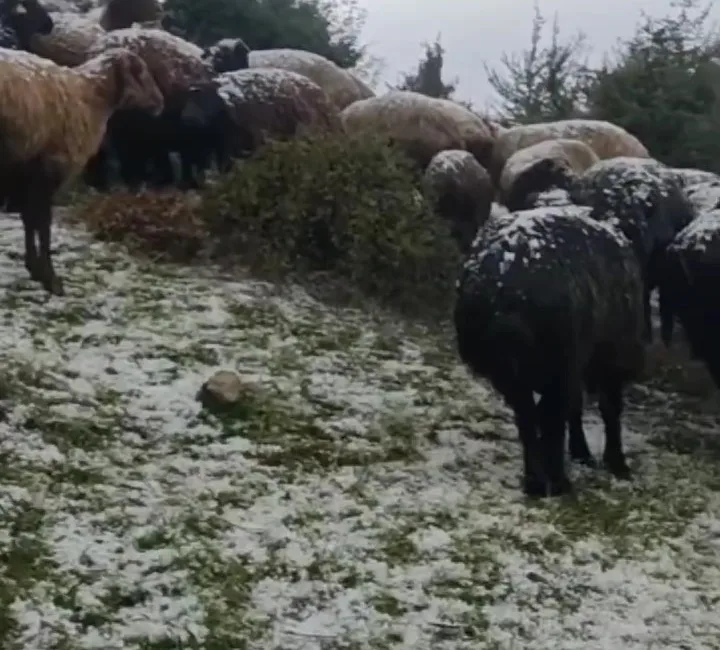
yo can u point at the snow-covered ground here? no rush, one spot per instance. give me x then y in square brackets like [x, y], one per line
[367, 498]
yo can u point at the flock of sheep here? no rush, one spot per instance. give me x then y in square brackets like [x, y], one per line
[554, 296]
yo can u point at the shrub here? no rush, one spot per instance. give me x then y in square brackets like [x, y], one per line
[346, 206]
[166, 225]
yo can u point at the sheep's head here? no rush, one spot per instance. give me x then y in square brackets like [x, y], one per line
[25, 18]
[202, 105]
[228, 55]
[135, 87]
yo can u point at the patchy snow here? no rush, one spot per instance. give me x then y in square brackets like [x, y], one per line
[689, 177]
[699, 233]
[450, 162]
[139, 38]
[704, 196]
[261, 85]
[371, 501]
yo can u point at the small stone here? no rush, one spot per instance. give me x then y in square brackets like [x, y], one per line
[224, 389]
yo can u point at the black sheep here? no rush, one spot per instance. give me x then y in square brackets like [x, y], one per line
[549, 301]
[227, 55]
[689, 289]
[20, 20]
[644, 200]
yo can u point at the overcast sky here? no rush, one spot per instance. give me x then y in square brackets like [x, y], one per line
[477, 31]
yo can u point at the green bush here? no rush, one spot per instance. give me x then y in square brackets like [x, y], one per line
[349, 207]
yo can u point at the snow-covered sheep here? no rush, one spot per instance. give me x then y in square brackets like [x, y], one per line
[648, 207]
[175, 63]
[20, 20]
[140, 140]
[226, 55]
[52, 120]
[70, 40]
[462, 193]
[689, 177]
[704, 196]
[421, 126]
[121, 14]
[607, 140]
[549, 301]
[689, 289]
[240, 110]
[364, 91]
[540, 167]
[341, 87]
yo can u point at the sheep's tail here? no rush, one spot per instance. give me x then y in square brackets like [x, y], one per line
[501, 351]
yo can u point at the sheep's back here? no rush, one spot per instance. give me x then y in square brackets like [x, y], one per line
[340, 86]
[415, 123]
[607, 140]
[276, 102]
[573, 281]
[174, 63]
[71, 39]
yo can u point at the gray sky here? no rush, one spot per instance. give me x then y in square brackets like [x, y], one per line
[474, 31]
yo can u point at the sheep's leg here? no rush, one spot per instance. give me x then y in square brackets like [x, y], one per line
[523, 405]
[611, 408]
[552, 414]
[647, 313]
[667, 317]
[31, 256]
[577, 442]
[50, 281]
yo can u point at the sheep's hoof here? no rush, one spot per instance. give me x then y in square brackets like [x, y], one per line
[584, 458]
[54, 286]
[560, 487]
[534, 487]
[618, 468]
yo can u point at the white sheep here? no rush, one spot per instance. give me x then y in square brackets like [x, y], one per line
[52, 120]
[607, 140]
[540, 167]
[421, 126]
[69, 41]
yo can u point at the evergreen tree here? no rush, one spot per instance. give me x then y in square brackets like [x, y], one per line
[427, 79]
[330, 28]
[663, 87]
[543, 82]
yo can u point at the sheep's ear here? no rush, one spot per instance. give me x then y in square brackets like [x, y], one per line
[20, 9]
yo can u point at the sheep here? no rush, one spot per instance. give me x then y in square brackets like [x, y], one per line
[690, 177]
[549, 301]
[341, 87]
[462, 193]
[226, 55]
[52, 120]
[704, 196]
[240, 110]
[20, 20]
[540, 167]
[138, 138]
[606, 139]
[121, 14]
[70, 40]
[419, 125]
[364, 91]
[648, 207]
[689, 286]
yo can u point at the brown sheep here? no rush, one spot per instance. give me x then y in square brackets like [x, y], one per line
[120, 14]
[606, 139]
[462, 193]
[69, 41]
[52, 120]
[419, 125]
[540, 167]
[175, 63]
